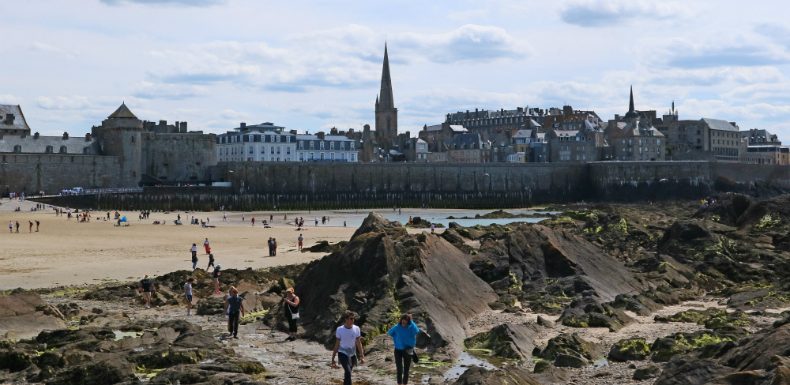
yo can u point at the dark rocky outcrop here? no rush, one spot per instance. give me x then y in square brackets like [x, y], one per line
[647, 372]
[630, 349]
[570, 351]
[325, 247]
[383, 272]
[506, 341]
[105, 355]
[509, 376]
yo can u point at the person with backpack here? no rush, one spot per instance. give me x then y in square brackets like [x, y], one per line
[348, 344]
[147, 288]
[292, 307]
[235, 309]
[404, 337]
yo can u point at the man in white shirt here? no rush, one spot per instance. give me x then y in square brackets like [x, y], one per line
[348, 344]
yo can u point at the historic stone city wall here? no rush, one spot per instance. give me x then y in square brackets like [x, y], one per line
[181, 157]
[51, 173]
[493, 185]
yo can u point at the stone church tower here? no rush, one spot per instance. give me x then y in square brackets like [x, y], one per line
[386, 113]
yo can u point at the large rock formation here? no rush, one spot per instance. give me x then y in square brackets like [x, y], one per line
[383, 272]
[24, 314]
[164, 353]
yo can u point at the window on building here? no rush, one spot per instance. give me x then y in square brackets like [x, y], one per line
[63, 149]
[288, 150]
[17, 148]
[49, 150]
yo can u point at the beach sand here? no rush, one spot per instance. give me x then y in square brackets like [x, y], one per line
[65, 252]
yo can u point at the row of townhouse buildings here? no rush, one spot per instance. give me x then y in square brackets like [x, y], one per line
[267, 142]
[569, 135]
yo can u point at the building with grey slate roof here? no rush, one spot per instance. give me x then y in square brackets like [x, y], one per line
[12, 121]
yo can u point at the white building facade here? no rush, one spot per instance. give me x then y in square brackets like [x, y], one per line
[267, 142]
[257, 143]
[326, 148]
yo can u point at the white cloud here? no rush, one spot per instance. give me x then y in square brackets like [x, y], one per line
[607, 13]
[189, 3]
[73, 102]
[8, 99]
[51, 49]
[467, 43]
[151, 90]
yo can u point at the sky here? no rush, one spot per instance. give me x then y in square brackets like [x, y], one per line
[312, 65]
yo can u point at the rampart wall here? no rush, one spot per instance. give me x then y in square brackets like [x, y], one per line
[50, 173]
[264, 186]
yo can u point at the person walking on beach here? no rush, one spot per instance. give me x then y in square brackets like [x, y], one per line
[224, 217]
[234, 308]
[188, 294]
[292, 306]
[17, 226]
[193, 249]
[210, 261]
[147, 288]
[207, 246]
[404, 337]
[10, 226]
[348, 344]
[37, 224]
[274, 247]
[252, 220]
[269, 243]
[299, 242]
[215, 274]
[29, 226]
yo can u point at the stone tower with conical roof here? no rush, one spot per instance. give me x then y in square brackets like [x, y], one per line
[386, 113]
[121, 135]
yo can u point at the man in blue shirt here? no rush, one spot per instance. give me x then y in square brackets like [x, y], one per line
[404, 336]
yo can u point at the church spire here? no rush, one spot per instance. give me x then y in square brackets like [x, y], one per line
[631, 114]
[386, 100]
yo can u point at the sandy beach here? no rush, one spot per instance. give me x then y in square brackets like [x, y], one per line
[66, 252]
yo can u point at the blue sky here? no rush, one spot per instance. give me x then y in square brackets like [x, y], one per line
[310, 65]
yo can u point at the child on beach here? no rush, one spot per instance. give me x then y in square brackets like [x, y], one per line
[193, 249]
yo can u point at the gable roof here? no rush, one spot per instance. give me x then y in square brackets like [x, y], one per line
[19, 118]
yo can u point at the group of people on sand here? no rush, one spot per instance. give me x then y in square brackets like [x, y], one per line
[14, 225]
